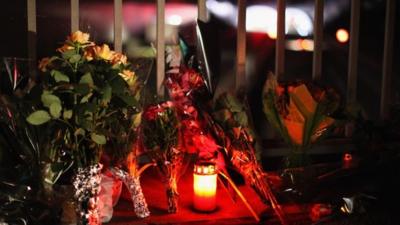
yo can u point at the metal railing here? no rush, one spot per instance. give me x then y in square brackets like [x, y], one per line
[241, 42]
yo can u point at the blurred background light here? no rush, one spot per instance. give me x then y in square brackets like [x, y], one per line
[342, 35]
[262, 18]
[174, 20]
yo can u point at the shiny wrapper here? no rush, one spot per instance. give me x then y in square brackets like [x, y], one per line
[172, 195]
[87, 188]
[248, 166]
[171, 170]
[245, 162]
[134, 188]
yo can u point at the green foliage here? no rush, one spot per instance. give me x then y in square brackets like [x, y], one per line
[233, 117]
[91, 99]
[27, 165]
[59, 76]
[38, 117]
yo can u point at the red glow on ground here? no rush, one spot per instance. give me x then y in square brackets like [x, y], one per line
[154, 191]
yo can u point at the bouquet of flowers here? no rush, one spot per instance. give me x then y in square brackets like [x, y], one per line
[183, 88]
[85, 88]
[238, 140]
[300, 112]
[160, 137]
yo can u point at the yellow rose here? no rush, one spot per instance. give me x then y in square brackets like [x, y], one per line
[79, 37]
[119, 58]
[43, 63]
[103, 52]
[65, 48]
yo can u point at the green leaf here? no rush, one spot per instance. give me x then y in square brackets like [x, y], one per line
[38, 117]
[89, 106]
[55, 110]
[67, 114]
[129, 100]
[233, 103]
[86, 79]
[79, 131]
[82, 89]
[58, 76]
[48, 99]
[75, 58]
[86, 98]
[98, 138]
[241, 118]
[68, 54]
[107, 91]
[223, 115]
[118, 85]
[87, 124]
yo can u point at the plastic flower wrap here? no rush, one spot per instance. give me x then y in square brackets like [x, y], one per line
[160, 136]
[185, 88]
[300, 113]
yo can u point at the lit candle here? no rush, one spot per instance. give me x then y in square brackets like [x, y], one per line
[205, 187]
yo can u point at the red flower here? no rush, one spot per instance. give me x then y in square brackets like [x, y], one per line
[167, 104]
[190, 111]
[205, 145]
[191, 80]
[152, 112]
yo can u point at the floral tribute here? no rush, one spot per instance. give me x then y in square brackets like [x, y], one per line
[160, 136]
[89, 95]
[238, 139]
[185, 88]
[301, 113]
[174, 129]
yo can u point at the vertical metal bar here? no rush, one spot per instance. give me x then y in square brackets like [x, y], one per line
[280, 39]
[118, 25]
[202, 10]
[74, 15]
[31, 15]
[387, 58]
[241, 46]
[353, 52]
[160, 33]
[318, 38]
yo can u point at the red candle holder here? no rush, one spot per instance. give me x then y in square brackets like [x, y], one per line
[205, 186]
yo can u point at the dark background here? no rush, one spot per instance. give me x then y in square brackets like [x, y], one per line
[53, 25]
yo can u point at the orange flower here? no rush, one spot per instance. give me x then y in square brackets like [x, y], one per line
[89, 53]
[103, 52]
[65, 48]
[43, 63]
[119, 58]
[79, 37]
